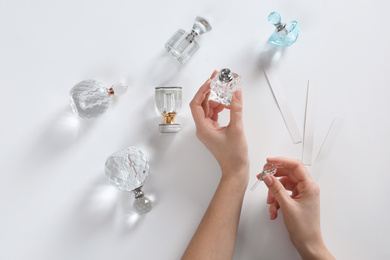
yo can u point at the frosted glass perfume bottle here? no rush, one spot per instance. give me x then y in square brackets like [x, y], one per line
[127, 170]
[168, 104]
[182, 45]
[268, 169]
[90, 98]
[285, 34]
[223, 86]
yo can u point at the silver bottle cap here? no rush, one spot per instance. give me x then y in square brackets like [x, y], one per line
[225, 75]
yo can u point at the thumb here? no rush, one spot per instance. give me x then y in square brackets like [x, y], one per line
[277, 189]
[236, 106]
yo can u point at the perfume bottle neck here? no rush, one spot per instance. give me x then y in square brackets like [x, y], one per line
[280, 26]
[138, 193]
[169, 118]
[192, 35]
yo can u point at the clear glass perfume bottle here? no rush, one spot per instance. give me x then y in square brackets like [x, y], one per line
[90, 98]
[269, 168]
[224, 85]
[285, 34]
[183, 45]
[168, 104]
[127, 170]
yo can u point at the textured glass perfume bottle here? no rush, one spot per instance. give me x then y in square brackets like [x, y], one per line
[90, 98]
[285, 34]
[183, 45]
[269, 168]
[223, 86]
[127, 170]
[168, 104]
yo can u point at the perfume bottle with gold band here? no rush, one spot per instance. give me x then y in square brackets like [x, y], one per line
[168, 104]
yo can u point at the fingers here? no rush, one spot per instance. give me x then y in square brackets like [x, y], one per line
[197, 110]
[215, 73]
[273, 210]
[205, 104]
[197, 104]
[270, 198]
[287, 184]
[216, 111]
[236, 107]
[292, 168]
[277, 189]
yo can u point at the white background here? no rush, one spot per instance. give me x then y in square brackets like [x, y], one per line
[55, 201]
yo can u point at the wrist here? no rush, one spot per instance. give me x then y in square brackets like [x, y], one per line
[237, 180]
[316, 250]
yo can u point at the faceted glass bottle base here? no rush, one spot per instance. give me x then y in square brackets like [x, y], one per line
[287, 36]
[169, 128]
[89, 99]
[181, 47]
[222, 92]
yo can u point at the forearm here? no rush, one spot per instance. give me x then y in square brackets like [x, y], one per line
[216, 234]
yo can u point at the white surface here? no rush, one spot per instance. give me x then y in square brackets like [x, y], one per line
[55, 201]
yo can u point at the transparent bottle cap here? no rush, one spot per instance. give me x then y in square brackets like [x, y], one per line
[274, 18]
[143, 205]
[201, 25]
[119, 89]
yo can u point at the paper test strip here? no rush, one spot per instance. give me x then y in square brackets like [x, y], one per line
[308, 131]
[283, 105]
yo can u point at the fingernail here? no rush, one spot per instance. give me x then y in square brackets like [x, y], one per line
[268, 180]
[213, 73]
[238, 95]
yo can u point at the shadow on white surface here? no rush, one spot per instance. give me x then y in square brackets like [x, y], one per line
[270, 55]
[56, 136]
[163, 70]
[101, 211]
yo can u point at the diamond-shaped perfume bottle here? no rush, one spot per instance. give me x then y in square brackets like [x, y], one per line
[224, 85]
[127, 170]
[168, 104]
[90, 98]
[182, 45]
[285, 34]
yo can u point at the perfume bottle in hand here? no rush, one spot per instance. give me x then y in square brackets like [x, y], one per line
[223, 86]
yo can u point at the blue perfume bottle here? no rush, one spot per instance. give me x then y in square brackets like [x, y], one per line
[285, 34]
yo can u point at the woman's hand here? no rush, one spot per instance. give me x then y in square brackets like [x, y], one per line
[227, 144]
[301, 209]
[216, 234]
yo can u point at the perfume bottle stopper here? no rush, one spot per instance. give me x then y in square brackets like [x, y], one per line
[223, 86]
[284, 34]
[168, 104]
[268, 169]
[90, 98]
[182, 45]
[127, 170]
